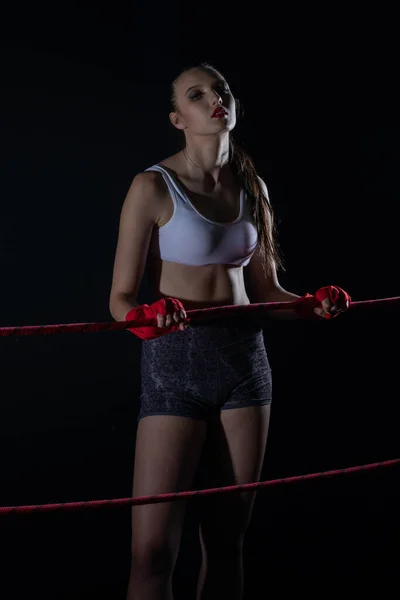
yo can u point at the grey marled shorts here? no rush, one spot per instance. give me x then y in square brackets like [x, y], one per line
[204, 369]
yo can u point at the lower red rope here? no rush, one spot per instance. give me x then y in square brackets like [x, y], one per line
[201, 315]
[179, 495]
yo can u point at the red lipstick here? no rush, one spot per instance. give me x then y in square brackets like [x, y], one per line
[218, 113]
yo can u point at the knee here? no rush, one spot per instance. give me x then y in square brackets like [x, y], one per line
[223, 541]
[152, 559]
[224, 530]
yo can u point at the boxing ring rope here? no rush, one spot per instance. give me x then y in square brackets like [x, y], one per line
[197, 317]
[158, 498]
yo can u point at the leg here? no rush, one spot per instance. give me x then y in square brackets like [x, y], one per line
[234, 455]
[168, 449]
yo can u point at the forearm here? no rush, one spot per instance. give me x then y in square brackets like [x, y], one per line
[278, 294]
[120, 306]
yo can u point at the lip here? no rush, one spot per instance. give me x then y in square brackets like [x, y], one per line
[219, 112]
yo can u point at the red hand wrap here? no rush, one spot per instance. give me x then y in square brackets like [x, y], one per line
[164, 307]
[308, 302]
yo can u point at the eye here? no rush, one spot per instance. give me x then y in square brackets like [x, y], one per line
[196, 95]
[223, 90]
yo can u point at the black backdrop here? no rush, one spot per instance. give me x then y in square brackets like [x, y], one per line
[84, 108]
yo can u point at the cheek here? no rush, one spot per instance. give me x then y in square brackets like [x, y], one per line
[196, 111]
[232, 104]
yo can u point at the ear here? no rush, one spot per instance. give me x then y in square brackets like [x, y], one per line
[177, 120]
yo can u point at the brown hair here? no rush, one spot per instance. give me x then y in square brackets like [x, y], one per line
[248, 179]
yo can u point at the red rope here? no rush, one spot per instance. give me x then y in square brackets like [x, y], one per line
[197, 316]
[158, 498]
[203, 315]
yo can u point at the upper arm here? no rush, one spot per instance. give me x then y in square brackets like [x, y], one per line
[139, 214]
[258, 283]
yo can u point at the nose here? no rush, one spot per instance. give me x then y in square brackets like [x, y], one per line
[216, 98]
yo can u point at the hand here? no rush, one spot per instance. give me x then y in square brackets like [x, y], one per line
[177, 317]
[169, 313]
[333, 301]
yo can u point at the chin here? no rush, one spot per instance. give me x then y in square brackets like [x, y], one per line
[224, 124]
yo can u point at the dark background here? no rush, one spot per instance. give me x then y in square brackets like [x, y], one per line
[85, 92]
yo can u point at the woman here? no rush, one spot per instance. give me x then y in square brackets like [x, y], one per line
[202, 224]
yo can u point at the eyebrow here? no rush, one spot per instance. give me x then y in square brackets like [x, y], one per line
[199, 85]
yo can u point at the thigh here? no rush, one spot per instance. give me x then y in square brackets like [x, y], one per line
[167, 453]
[179, 376]
[234, 454]
[245, 373]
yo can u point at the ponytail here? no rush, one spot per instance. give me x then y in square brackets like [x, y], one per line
[262, 213]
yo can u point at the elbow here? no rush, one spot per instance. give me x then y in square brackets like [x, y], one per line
[114, 306]
[120, 304]
[111, 308]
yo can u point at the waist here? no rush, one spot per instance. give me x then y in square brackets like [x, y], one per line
[209, 336]
[196, 287]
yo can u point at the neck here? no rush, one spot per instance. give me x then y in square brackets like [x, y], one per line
[206, 156]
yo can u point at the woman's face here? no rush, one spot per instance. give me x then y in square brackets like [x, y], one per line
[198, 94]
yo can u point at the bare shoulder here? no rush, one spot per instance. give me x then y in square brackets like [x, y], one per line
[264, 190]
[148, 192]
[149, 184]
